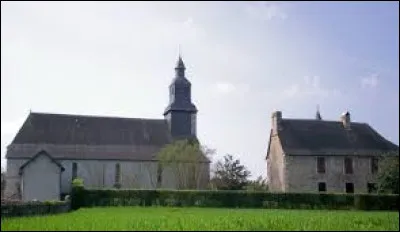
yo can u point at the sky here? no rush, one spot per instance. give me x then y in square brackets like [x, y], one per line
[244, 60]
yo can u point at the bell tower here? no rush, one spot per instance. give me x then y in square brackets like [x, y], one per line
[181, 112]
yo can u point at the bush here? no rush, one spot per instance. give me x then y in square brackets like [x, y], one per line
[10, 209]
[77, 182]
[376, 202]
[233, 199]
[77, 194]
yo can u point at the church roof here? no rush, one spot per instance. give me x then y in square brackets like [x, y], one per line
[319, 137]
[90, 137]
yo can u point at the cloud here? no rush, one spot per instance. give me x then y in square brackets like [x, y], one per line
[265, 11]
[311, 86]
[291, 91]
[224, 87]
[370, 81]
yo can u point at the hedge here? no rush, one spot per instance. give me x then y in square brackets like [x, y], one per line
[14, 209]
[237, 199]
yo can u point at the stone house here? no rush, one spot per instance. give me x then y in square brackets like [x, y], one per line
[315, 155]
[50, 150]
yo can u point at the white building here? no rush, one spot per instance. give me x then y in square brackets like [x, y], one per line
[51, 149]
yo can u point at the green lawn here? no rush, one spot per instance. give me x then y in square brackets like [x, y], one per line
[152, 218]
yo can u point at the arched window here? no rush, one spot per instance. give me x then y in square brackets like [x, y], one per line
[74, 170]
[159, 175]
[117, 173]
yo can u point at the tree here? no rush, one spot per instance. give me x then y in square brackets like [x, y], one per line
[388, 174]
[229, 174]
[260, 184]
[187, 161]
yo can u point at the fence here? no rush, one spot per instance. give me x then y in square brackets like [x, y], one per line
[15, 209]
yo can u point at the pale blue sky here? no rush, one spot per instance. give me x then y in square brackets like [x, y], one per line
[244, 59]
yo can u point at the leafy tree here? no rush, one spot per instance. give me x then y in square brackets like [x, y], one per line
[229, 174]
[388, 174]
[260, 184]
[188, 161]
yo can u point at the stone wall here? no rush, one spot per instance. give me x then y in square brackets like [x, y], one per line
[276, 166]
[302, 174]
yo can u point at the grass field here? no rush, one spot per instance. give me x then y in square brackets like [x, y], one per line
[136, 218]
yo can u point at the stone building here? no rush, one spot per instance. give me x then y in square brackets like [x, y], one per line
[50, 150]
[315, 155]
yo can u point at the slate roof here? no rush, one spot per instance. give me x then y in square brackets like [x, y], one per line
[92, 130]
[89, 137]
[319, 137]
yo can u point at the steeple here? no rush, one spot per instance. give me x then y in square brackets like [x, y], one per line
[318, 115]
[180, 68]
[181, 112]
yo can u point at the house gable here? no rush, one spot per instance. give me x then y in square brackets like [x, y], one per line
[41, 153]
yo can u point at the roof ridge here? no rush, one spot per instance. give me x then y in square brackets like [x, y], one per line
[95, 116]
[319, 121]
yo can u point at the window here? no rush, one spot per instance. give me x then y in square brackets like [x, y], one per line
[374, 165]
[117, 173]
[321, 164]
[193, 124]
[372, 187]
[74, 170]
[349, 188]
[159, 175]
[348, 166]
[322, 187]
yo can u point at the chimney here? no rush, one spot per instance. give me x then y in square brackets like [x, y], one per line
[345, 118]
[276, 121]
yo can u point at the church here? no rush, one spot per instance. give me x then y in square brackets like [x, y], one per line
[50, 150]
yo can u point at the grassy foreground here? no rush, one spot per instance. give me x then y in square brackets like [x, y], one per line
[137, 218]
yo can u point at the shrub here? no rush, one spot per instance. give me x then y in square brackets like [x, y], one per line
[234, 199]
[376, 202]
[77, 193]
[11, 209]
[77, 182]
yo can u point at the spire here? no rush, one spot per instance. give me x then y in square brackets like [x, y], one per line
[180, 67]
[318, 115]
[180, 64]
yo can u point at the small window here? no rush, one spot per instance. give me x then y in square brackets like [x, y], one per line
[321, 165]
[74, 171]
[372, 187]
[374, 165]
[117, 173]
[193, 124]
[349, 188]
[348, 166]
[322, 187]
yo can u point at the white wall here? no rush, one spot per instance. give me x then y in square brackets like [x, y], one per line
[101, 174]
[134, 174]
[41, 180]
